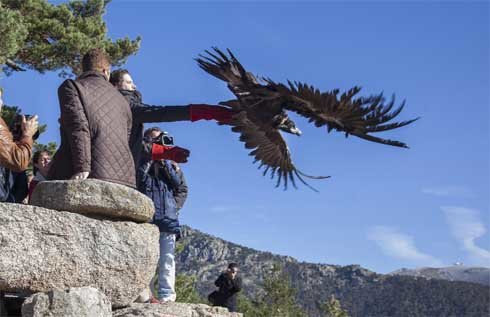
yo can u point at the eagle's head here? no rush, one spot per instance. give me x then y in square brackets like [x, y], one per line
[284, 123]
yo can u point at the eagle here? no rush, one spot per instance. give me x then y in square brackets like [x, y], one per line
[260, 113]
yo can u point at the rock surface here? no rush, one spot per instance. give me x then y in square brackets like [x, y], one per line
[94, 197]
[171, 309]
[73, 302]
[45, 249]
[471, 274]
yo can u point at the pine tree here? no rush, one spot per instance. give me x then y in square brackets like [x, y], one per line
[332, 308]
[185, 287]
[278, 299]
[44, 37]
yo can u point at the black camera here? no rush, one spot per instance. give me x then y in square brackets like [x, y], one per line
[16, 128]
[164, 139]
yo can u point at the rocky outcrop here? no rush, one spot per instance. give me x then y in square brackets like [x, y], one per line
[480, 275]
[94, 197]
[73, 302]
[171, 309]
[44, 249]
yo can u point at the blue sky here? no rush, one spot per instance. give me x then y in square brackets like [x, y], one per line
[384, 207]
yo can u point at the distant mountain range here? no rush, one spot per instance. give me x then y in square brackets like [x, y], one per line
[480, 275]
[360, 291]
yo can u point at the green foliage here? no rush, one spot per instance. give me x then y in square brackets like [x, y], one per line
[14, 32]
[9, 113]
[185, 287]
[278, 300]
[179, 247]
[332, 308]
[51, 147]
[46, 37]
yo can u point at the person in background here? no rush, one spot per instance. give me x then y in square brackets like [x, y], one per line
[40, 169]
[163, 182]
[229, 284]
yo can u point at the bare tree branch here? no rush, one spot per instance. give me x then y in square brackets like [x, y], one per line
[10, 63]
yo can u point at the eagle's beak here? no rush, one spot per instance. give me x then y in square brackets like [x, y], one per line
[295, 131]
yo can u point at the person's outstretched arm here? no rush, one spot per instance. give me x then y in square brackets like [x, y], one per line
[193, 112]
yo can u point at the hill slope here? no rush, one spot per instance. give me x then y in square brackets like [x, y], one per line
[361, 292]
[462, 273]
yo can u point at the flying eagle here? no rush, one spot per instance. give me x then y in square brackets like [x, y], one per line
[260, 113]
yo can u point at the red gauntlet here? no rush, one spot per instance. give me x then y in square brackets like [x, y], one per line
[166, 152]
[221, 114]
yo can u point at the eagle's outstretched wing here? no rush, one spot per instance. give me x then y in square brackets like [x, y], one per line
[228, 69]
[270, 149]
[356, 116]
[257, 97]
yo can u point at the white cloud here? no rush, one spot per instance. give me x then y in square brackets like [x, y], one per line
[466, 226]
[444, 191]
[222, 209]
[400, 246]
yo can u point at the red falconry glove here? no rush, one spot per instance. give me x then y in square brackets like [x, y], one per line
[166, 152]
[221, 114]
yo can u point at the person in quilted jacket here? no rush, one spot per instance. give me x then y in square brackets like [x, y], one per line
[95, 127]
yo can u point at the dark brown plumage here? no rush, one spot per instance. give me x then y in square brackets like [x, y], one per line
[261, 112]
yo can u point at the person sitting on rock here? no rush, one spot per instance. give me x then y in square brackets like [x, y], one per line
[40, 168]
[229, 284]
[95, 126]
[163, 182]
[143, 113]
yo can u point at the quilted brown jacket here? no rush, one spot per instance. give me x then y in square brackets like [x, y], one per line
[14, 155]
[95, 127]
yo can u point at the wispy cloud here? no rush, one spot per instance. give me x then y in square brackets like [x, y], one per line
[466, 226]
[444, 191]
[218, 209]
[400, 246]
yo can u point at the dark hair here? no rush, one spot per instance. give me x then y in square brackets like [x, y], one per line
[117, 76]
[35, 158]
[95, 59]
[232, 266]
[150, 130]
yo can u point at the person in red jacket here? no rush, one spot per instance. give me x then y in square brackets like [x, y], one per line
[40, 168]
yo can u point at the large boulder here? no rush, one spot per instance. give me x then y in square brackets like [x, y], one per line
[171, 309]
[43, 249]
[73, 302]
[93, 197]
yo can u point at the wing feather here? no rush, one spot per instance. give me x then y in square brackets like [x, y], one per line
[270, 149]
[347, 113]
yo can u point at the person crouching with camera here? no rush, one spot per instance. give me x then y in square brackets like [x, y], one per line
[163, 182]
